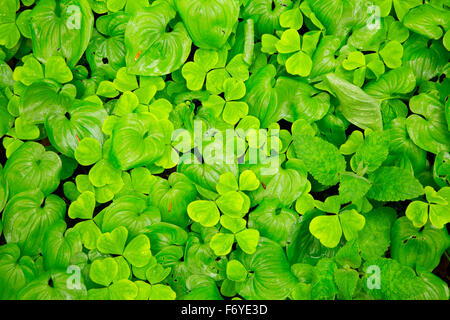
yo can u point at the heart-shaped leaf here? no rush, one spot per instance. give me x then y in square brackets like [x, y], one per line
[113, 242]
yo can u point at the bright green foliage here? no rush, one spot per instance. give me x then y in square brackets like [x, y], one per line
[224, 149]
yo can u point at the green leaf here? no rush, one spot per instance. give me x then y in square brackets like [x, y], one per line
[269, 43]
[248, 240]
[138, 251]
[352, 222]
[156, 273]
[392, 54]
[57, 69]
[209, 24]
[113, 242]
[321, 158]
[60, 246]
[103, 271]
[55, 29]
[162, 292]
[15, 271]
[354, 60]
[392, 84]
[10, 35]
[194, 75]
[115, 5]
[332, 204]
[221, 243]
[248, 181]
[292, 18]
[299, 64]
[26, 215]
[427, 127]
[234, 111]
[353, 187]
[418, 248]
[233, 224]
[107, 89]
[354, 141]
[123, 290]
[427, 20]
[89, 233]
[82, 119]
[374, 239]
[394, 184]
[417, 212]
[348, 255]
[150, 52]
[127, 103]
[124, 81]
[205, 212]
[327, 229]
[234, 89]
[231, 203]
[83, 207]
[289, 42]
[227, 182]
[357, 106]
[31, 167]
[236, 271]
[269, 271]
[88, 152]
[347, 283]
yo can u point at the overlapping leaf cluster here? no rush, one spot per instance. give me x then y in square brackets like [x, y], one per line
[102, 196]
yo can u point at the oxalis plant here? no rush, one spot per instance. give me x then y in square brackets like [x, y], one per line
[224, 149]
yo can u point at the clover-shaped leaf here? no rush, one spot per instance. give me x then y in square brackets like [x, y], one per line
[292, 18]
[248, 240]
[195, 72]
[56, 69]
[162, 292]
[235, 225]
[83, 207]
[205, 212]
[352, 222]
[290, 42]
[115, 5]
[123, 290]
[234, 111]
[222, 243]
[227, 182]
[231, 203]
[156, 273]
[113, 242]
[104, 271]
[88, 152]
[248, 181]
[236, 271]
[9, 33]
[269, 43]
[234, 89]
[392, 54]
[417, 212]
[327, 229]
[107, 89]
[437, 209]
[125, 81]
[138, 251]
[354, 60]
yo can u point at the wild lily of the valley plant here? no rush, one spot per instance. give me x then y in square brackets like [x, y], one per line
[224, 149]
